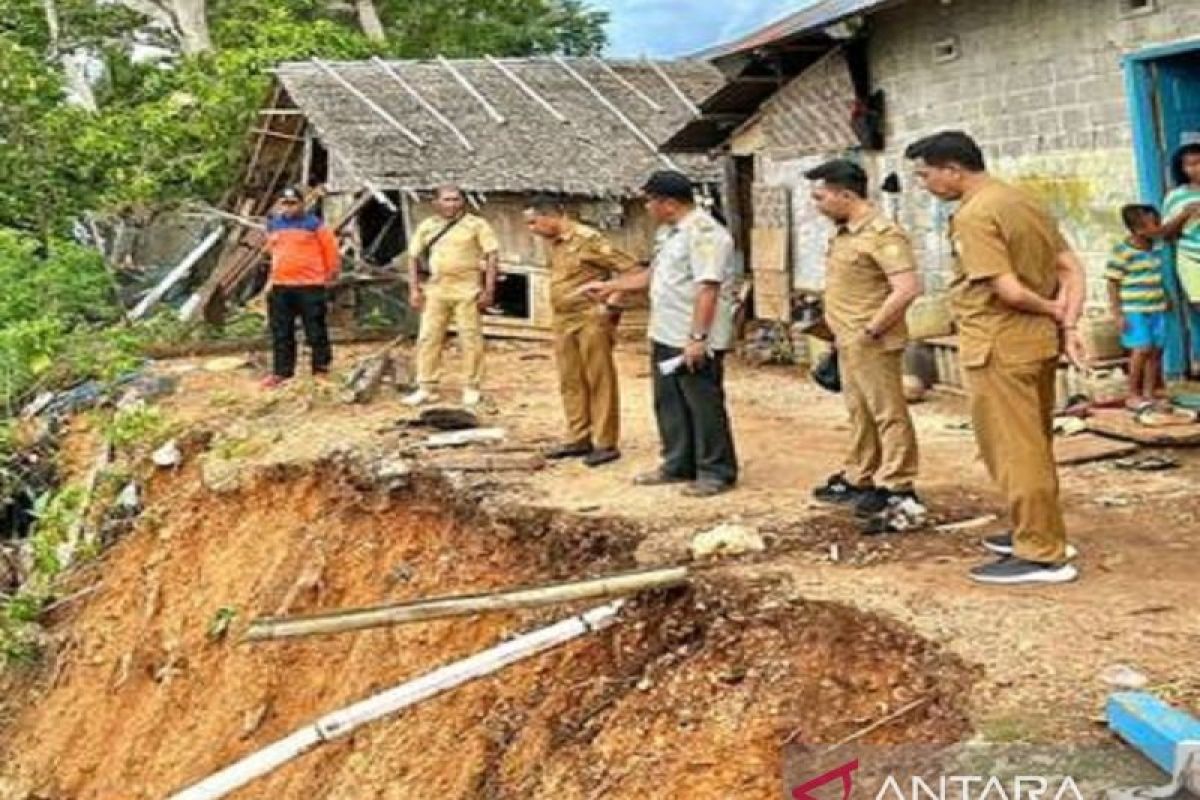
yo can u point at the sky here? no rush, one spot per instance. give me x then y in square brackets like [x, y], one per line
[679, 27]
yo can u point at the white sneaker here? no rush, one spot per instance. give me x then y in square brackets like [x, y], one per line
[471, 397]
[419, 398]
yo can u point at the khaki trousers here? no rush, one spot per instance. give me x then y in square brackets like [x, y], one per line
[883, 442]
[442, 304]
[1012, 409]
[587, 378]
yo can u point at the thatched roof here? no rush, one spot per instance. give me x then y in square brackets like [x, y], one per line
[594, 153]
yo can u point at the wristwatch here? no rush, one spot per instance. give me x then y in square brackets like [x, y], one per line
[698, 337]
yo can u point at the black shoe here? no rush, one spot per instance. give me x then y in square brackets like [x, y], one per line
[838, 490]
[704, 488]
[1010, 571]
[1002, 545]
[604, 455]
[572, 450]
[875, 501]
[657, 477]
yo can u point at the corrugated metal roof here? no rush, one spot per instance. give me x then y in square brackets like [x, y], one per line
[821, 13]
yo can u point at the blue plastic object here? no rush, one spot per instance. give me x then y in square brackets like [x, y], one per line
[1152, 727]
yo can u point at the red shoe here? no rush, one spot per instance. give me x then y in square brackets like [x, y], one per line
[273, 382]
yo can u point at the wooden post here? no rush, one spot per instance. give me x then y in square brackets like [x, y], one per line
[379, 110]
[526, 88]
[464, 605]
[466, 84]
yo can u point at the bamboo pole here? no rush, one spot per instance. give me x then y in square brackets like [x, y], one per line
[398, 698]
[527, 89]
[379, 110]
[447, 65]
[621, 79]
[425, 104]
[464, 605]
[683, 98]
[638, 133]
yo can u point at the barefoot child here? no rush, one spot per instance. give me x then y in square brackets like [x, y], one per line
[1139, 302]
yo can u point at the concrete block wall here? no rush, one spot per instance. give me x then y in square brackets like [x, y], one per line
[1039, 83]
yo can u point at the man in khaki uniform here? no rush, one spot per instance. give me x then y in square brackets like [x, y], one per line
[584, 331]
[870, 281]
[1017, 295]
[450, 253]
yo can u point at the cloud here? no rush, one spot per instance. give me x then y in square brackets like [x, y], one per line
[678, 27]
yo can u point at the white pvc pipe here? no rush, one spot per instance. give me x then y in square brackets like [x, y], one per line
[340, 723]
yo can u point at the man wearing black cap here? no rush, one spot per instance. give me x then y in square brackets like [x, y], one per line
[304, 262]
[691, 329]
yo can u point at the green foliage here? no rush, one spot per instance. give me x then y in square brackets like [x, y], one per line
[138, 425]
[464, 28]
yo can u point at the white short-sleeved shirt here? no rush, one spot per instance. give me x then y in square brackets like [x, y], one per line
[695, 250]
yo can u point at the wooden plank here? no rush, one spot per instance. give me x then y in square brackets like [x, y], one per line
[674, 87]
[1084, 448]
[1150, 726]
[1121, 424]
[773, 296]
[769, 250]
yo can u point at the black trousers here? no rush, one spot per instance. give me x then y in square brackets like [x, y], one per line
[697, 441]
[285, 305]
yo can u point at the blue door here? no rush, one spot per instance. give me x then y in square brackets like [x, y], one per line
[1165, 102]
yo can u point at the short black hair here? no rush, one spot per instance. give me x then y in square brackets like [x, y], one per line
[671, 185]
[841, 173]
[1131, 213]
[1177, 174]
[546, 205]
[946, 148]
[449, 187]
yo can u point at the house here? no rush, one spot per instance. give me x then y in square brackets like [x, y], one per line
[378, 137]
[1079, 101]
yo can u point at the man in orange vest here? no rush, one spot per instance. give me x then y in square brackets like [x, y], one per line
[304, 264]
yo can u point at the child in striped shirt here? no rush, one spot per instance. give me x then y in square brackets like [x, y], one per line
[1139, 302]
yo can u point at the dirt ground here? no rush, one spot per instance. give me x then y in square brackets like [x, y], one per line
[813, 639]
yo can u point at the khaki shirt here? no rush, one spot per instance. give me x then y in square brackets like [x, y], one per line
[457, 257]
[860, 258]
[1000, 230]
[579, 256]
[693, 251]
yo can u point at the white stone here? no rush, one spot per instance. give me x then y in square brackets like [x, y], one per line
[169, 455]
[727, 540]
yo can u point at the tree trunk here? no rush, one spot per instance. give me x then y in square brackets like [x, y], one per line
[368, 19]
[185, 20]
[191, 21]
[74, 67]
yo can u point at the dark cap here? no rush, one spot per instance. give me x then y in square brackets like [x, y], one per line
[670, 184]
[291, 193]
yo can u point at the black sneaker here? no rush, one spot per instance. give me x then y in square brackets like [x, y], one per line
[1002, 545]
[603, 455]
[877, 500]
[571, 450]
[838, 490]
[706, 488]
[1011, 571]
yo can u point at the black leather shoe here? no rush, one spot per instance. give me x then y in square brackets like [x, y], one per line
[572, 450]
[604, 455]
